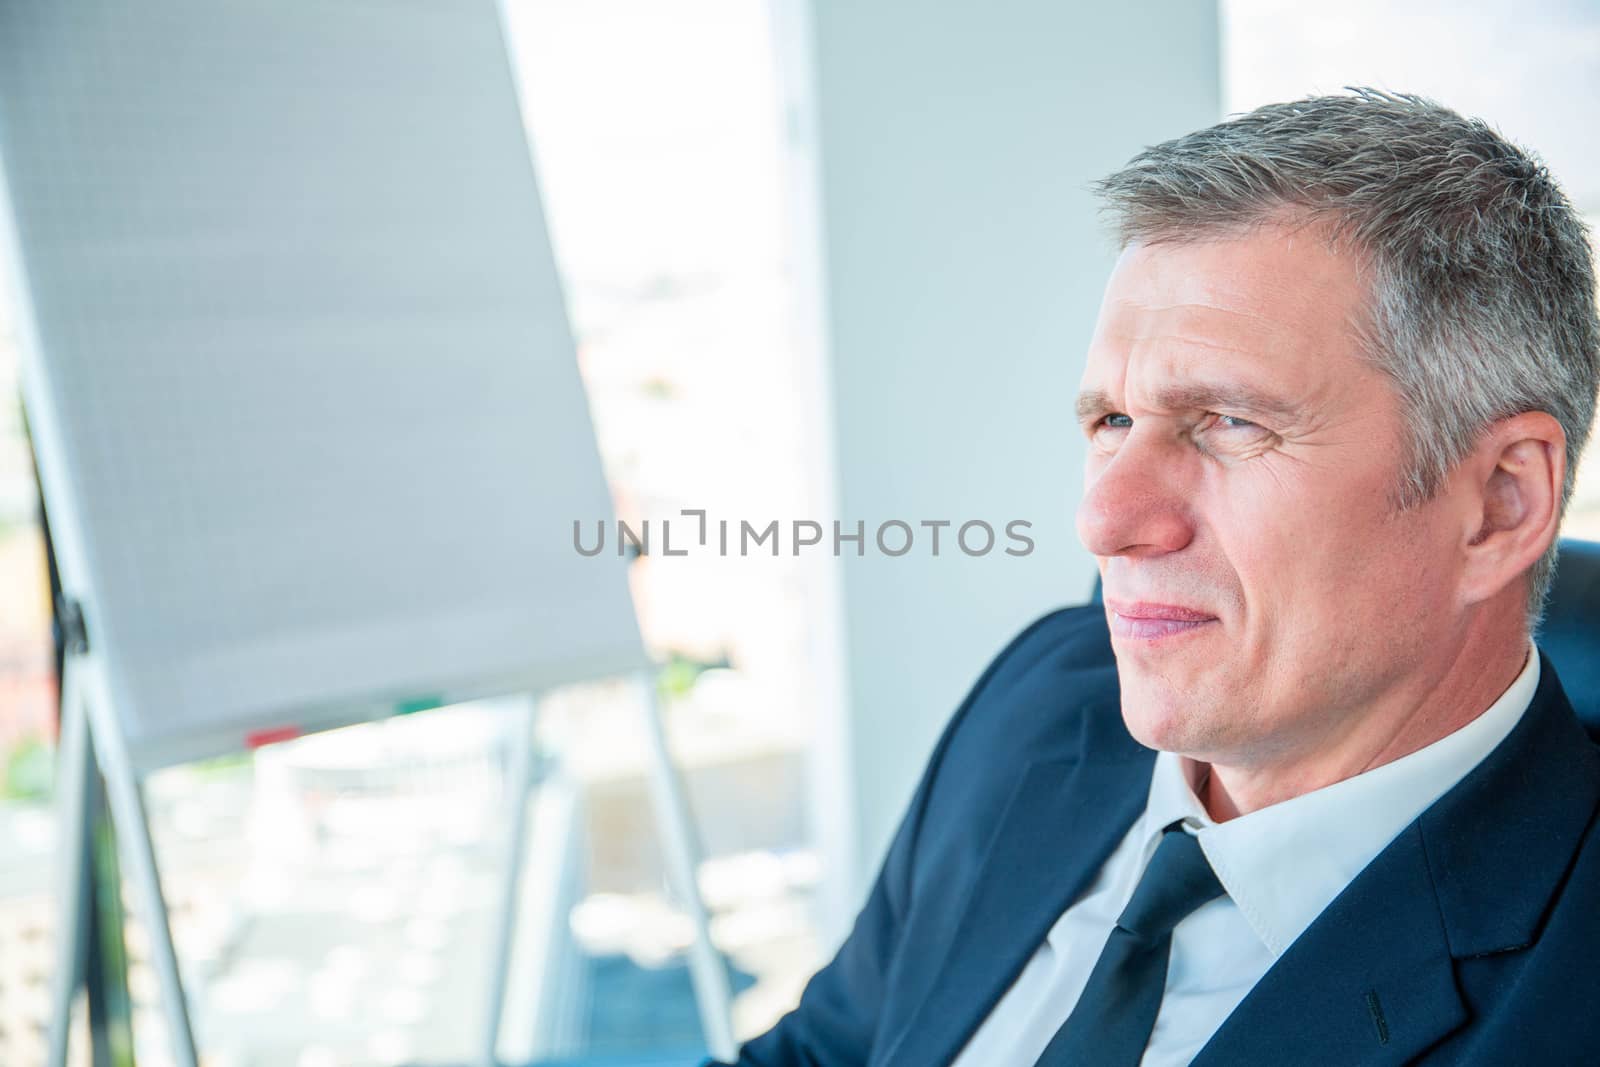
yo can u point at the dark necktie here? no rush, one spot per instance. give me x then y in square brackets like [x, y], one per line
[1111, 1023]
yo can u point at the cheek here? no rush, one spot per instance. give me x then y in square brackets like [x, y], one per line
[1332, 563]
[1406, 573]
[1324, 551]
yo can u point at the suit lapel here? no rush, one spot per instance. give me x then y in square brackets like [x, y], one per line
[1501, 842]
[1064, 818]
[1372, 981]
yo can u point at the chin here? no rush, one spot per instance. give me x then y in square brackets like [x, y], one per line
[1171, 722]
[1154, 727]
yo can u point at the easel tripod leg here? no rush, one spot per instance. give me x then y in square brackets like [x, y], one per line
[130, 822]
[74, 874]
[519, 784]
[681, 850]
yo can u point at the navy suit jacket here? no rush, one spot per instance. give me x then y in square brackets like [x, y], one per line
[1473, 937]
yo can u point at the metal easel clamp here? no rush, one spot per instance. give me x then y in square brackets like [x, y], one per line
[72, 633]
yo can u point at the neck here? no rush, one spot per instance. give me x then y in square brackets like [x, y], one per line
[1412, 714]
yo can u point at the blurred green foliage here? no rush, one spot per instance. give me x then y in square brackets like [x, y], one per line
[223, 766]
[676, 677]
[28, 771]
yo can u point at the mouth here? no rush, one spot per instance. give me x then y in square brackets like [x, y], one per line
[1149, 621]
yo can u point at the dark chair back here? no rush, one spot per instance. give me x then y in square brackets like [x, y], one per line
[1570, 633]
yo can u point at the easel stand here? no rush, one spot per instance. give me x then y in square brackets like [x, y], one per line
[89, 735]
[680, 851]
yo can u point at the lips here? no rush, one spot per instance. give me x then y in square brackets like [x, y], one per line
[1149, 620]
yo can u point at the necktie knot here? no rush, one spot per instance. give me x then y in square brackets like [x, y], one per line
[1177, 881]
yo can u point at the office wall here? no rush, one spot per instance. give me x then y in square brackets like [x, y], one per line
[961, 262]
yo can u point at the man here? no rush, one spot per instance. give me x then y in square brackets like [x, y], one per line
[1303, 791]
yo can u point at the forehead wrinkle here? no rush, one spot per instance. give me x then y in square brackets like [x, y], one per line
[1179, 307]
[1206, 325]
[1182, 342]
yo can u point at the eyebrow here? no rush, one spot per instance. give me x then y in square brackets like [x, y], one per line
[1195, 396]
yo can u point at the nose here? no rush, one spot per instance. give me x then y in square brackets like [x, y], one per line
[1134, 501]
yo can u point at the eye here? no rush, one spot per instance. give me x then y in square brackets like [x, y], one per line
[1107, 431]
[1232, 436]
[1096, 427]
[1233, 422]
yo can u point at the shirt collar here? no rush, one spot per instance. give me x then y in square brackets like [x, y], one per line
[1283, 864]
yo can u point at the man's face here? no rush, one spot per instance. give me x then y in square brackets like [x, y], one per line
[1260, 587]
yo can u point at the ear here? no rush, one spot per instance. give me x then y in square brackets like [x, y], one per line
[1513, 498]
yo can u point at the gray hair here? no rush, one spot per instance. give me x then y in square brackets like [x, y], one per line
[1481, 281]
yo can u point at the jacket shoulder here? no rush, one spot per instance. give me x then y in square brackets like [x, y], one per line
[1049, 693]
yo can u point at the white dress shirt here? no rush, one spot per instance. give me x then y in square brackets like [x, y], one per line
[1281, 865]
